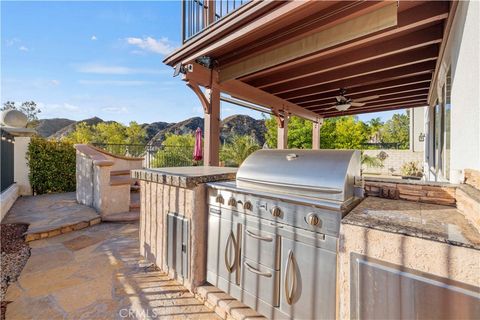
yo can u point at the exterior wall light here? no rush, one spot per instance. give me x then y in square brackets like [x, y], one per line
[421, 137]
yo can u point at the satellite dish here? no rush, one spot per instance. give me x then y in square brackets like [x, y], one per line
[13, 118]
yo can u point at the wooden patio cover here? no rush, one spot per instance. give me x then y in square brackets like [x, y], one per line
[294, 56]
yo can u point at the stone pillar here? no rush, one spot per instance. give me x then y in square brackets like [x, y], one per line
[21, 169]
[212, 128]
[316, 134]
[282, 132]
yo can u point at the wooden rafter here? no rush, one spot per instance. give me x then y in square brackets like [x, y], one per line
[336, 33]
[392, 74]
[387, 63]
[422, 38]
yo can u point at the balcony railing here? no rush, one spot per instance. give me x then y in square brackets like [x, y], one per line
[199, 14]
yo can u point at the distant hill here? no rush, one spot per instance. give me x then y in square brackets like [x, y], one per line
[47, 127]
[156, 131]
[65, 131]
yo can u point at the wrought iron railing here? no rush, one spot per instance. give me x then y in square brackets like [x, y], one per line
[154, 155]
[199, 14]
[7, 160]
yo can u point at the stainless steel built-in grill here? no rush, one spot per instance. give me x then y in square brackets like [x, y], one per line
[273, 233]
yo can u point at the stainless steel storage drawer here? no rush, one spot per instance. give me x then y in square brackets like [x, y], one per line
[262, 247]
[261, 281]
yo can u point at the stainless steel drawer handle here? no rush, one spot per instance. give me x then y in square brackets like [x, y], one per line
[256, 236]
[260, 273]
[228, 265]
[290, 272]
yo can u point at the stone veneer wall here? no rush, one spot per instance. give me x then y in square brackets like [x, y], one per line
[393, 163]
[440, 259]
[157, 200]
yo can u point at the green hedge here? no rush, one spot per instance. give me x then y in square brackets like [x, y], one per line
[52, 166]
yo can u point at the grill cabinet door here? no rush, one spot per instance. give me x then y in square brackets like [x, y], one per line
[223, 253]
[177, 244]
[307, 286]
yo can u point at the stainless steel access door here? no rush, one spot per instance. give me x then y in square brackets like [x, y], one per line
[308, 277]
[224, 240]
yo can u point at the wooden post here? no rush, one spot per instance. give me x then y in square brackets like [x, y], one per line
[316, 134]
[212, 128]
[282, 132]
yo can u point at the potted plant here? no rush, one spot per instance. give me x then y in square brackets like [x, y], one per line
[411, 170]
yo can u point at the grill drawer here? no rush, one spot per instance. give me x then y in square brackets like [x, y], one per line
[260, 281]
[262, 246]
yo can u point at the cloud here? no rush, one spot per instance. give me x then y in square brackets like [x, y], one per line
[115, 109]
[93, 38]
[115, 82]
[12, 41]
[161, 46]
[55, 82]
[23, 48]
[111, 69]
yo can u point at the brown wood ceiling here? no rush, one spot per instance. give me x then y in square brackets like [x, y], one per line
[396, 63]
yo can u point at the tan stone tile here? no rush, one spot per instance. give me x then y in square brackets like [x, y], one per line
[43, 308]
[81, 242]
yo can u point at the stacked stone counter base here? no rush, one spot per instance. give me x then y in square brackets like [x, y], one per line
[180, 191]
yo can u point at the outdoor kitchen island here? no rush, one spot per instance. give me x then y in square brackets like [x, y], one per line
[173, 219]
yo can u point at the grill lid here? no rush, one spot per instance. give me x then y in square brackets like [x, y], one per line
[320, 174]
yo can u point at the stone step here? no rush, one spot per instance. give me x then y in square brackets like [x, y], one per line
[120, 173]
[224, 305]
[120, 180]
[130, 216]
[134, 205]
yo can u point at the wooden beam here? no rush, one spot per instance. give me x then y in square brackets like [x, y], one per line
[368, 23]
[201, 96]
[246, 92]
[370, 67]
[412, 19]
[406, 105]
[273, 17]
[212, 128]
[330, 97]
[423, 93]
[392, 74]
[367, 90]
[316, 126]
[402, 44]
[282, 132]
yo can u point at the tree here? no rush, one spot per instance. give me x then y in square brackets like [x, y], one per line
[299, 132]
[29, 108]
[237, 149]
[350, 133]
[176, 150]
[397, 130]
[108, 133]
[375, 125]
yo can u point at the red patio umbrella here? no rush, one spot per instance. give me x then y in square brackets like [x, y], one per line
[198, 150]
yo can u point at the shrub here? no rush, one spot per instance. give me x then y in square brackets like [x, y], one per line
[412, 169]
[52, 166]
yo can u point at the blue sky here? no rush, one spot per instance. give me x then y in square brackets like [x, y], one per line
[83, 59]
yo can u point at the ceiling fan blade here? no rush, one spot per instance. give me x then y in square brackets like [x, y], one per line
[330, 108]
[358, 104]
[366, 98]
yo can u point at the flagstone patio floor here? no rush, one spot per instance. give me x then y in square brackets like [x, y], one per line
[97, 273]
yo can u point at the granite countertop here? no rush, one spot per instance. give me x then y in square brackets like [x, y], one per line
[185, 177]
[416, 219]
[372, 178]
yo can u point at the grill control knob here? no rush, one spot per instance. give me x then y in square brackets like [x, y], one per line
[313, 219]
[219, 199]
[248, 205]
[276, 212]
[232, 202]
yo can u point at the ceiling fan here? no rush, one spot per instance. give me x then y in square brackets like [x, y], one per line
[343, 103]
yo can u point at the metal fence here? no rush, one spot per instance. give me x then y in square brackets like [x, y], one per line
[155, 156]
[7, 160]
[381, 145]
[198, 14]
